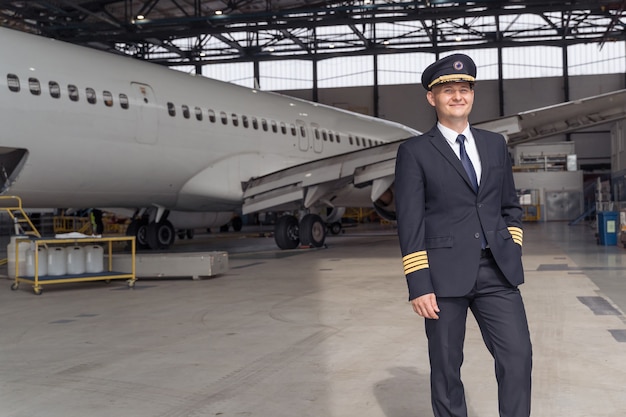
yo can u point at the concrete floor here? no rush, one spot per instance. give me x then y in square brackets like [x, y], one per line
[324, 333]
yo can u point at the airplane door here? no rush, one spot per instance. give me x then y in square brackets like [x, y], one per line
[318, 144]
[146, 109]
[303, 135]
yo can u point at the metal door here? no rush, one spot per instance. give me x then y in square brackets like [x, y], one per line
[146, 110]
[303, 135]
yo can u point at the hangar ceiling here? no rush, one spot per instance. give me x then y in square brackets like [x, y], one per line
[196, 32]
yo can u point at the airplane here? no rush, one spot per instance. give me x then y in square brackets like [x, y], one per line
[90, 129]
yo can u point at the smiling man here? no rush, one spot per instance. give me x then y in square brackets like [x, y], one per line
[460, 230]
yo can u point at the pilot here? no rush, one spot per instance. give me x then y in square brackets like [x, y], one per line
[460, 231]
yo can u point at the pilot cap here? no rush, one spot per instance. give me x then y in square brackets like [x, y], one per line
[451, 69]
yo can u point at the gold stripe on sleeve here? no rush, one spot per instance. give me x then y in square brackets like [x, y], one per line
[517, 233]
[415, 261]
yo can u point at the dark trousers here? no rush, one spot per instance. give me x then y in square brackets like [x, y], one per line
[499, 311]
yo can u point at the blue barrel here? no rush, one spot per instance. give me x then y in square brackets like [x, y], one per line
[608, 226]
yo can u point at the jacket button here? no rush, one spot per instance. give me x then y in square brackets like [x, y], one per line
[476, 235]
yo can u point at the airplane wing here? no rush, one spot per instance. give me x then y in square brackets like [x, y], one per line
[344, 180]
[560, 118]
[325, 181]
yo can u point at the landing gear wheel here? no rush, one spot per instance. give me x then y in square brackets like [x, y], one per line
[137, 228]
[15, 286]
[160, 235]
[237, 223]
[312, 231]
[335, 228]
[286, 232]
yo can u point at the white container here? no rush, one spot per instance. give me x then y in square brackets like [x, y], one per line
[94, 259]
[22, 248]
[57, 264]
[42, 260]
[75, 256]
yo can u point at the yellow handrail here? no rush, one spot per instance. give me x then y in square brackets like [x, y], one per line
[16, 208]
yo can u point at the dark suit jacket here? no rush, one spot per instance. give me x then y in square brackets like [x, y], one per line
[441, 217]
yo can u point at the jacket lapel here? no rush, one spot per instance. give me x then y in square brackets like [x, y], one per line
[482, 144]
[439, 142]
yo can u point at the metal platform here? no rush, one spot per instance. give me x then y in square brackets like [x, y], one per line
[161, 265]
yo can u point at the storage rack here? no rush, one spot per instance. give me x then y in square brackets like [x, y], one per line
[107, 275]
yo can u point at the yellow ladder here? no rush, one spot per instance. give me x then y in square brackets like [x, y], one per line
[23, 226]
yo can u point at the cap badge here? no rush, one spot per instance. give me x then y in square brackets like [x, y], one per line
[458, 65]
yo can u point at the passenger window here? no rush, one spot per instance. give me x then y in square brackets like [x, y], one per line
[235, 119]
[264, 124]
[73, 92]
[358, 142]
[91, 95]
[198, 114]
[303, 131]
[293, 130]
[55, 89]
[211, 116]
[338, 137]
[108, 98]
[171, 109]
[324, 136]
[244, 121]
[124, 101]
[274, 126]
[34, 86]
[186, 113]
[369, 141]
[350, 140]
[13, 82]
[316, 132]
[255, 123]
[283, 128]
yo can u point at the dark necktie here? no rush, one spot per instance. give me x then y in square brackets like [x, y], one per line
[467, 163]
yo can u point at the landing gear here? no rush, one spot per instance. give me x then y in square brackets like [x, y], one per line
[138, 228]
[182, 233]
[335, 228]
[288, 233]
[160, 235]
[312, 231]
[151, 235]
[236, 223]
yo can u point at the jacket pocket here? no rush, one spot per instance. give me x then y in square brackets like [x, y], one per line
[505, 234]
[439, 242]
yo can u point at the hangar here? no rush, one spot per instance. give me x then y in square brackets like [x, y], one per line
[327, 331]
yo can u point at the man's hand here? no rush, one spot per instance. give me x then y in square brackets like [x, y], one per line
[426, 306]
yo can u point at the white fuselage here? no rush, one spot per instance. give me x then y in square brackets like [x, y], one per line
[64, 105]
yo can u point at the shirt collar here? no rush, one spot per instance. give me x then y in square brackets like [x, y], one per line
[451, 135]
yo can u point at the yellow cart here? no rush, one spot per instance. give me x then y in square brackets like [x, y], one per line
[106, 275]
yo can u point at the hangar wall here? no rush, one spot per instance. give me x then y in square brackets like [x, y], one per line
[407, 104]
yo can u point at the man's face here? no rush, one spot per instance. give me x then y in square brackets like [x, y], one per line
[452, 101]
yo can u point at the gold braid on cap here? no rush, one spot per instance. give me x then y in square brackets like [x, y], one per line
[450, 78]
